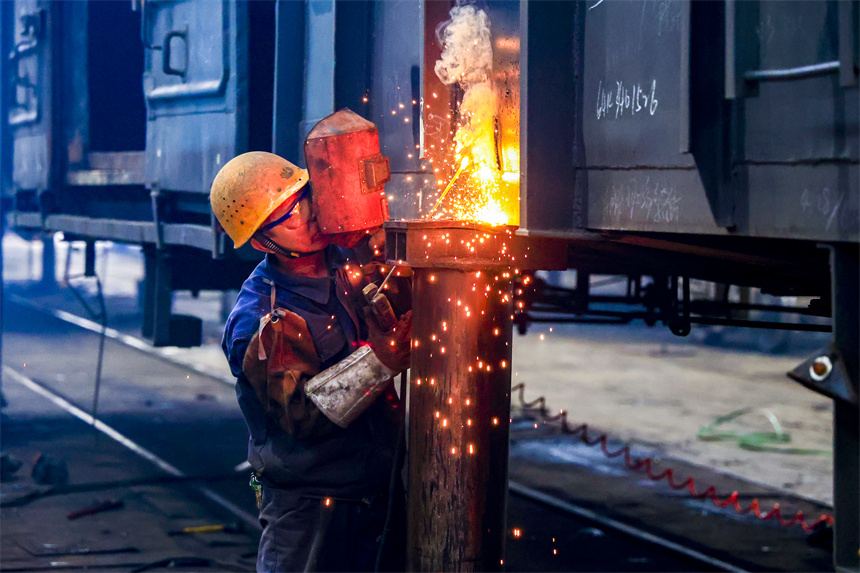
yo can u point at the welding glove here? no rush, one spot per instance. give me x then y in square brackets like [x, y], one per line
[345, 390]
[280, 359]
[392, 347]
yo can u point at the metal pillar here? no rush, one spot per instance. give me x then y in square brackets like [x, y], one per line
[458, 420]
[459, 395]
[49, 262]
[157, 296]
[846, 434]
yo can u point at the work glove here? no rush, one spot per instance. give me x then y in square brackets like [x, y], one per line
[392, 347]
[280, 358]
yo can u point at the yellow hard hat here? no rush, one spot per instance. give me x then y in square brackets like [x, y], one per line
[249, 188]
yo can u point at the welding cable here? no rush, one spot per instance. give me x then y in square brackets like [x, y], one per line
[689, 483]
[395, 468]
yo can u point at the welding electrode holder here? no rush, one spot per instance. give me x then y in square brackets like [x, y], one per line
[381, 307]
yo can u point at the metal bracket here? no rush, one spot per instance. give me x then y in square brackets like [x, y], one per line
[155, 199]
[825, 373]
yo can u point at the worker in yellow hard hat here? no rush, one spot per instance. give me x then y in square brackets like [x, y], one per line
[314, 367]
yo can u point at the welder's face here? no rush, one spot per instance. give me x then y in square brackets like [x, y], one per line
[299, 231]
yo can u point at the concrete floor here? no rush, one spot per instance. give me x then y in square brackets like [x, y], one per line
[642, 385]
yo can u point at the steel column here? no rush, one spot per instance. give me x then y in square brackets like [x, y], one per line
[157, 295]
[846, 430]
[458, 419]
[459, 395]
[49, 261]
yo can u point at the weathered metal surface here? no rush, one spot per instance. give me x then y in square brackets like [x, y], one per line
[30, 112]
[289, 64]
[460, 387]
[196, 106]
[845, 264]
[110, 229]
[656, 146]
[459, 244]
[458, 420]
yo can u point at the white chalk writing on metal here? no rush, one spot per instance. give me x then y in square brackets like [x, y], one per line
[821, 205]
[650, 201]
[630, 99]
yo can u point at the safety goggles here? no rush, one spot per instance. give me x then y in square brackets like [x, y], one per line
[302, 194]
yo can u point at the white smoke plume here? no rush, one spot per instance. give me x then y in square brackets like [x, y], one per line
[467, 55]
[467, 60]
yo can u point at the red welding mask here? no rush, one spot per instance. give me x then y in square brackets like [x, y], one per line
[347, 175]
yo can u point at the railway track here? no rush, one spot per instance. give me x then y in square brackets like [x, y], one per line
[183, 422]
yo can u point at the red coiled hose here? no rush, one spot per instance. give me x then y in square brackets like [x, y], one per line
[689, 483]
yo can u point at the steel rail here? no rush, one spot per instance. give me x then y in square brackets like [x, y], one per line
[609, 523]
[124, 339]
[123, 440]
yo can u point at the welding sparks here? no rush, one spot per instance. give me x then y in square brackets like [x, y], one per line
[484, 187]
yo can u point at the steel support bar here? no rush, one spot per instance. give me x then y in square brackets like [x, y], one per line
[49, 262]
[846, 430]
[459, 394]
[157, 296]
[458, 420]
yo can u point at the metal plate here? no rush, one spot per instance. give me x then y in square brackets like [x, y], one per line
[30, 109]
[195, 54]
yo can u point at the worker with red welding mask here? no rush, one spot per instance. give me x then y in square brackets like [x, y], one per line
[314, 364]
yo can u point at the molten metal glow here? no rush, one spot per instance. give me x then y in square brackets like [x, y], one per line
[484, 157]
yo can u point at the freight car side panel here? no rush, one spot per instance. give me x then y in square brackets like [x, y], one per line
[636, 119]
[798, 160]
[31, 106]
[195, 56]
[635, 107]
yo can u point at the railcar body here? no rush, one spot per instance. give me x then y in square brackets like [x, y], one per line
[675, 140]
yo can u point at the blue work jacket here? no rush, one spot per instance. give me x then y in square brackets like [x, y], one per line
[349, 463]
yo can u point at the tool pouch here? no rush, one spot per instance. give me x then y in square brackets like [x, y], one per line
[348, 388]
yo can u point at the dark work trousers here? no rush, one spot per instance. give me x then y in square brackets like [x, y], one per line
[308, 534]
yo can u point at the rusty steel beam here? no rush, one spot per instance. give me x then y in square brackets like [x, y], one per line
[459, 393]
